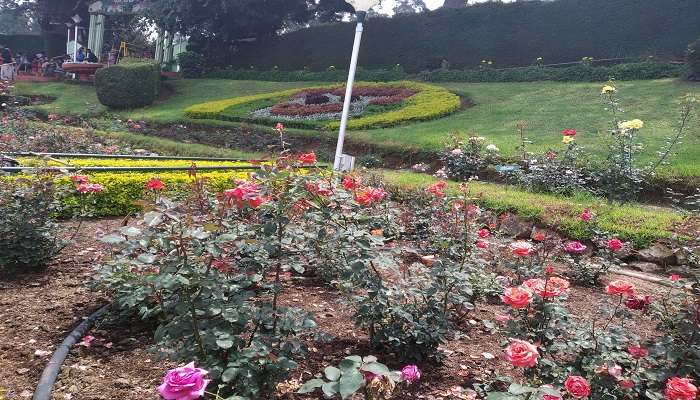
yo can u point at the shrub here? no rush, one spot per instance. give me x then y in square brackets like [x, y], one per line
[28, 232]
[464, 159]
[192, 64]
[694, 60]
[129, 84]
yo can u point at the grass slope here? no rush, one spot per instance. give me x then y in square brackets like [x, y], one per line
[639, 224]
[546, 108]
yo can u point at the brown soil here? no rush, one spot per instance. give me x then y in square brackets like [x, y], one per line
[38, 311]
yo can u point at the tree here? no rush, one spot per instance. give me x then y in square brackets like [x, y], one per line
[409, 6]
[49, 15]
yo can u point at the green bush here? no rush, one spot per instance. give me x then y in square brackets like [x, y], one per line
[129, 84]
[28, 232]
[511, 34]
[648, 69]
[694, 60]
[191, 64]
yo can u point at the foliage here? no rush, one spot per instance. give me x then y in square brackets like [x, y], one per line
[599, 358]
[464, 37]
[29, 235]
[694, 59]
[364, 375]
[647, 69]
[557, 171]
[192, 64]
[463, 159]
[129, 84]
[429, 102]
[620, 177]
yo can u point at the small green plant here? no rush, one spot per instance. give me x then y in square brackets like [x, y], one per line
[464, 158]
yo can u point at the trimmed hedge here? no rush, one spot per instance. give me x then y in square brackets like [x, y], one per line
[129, 84]
[122, 191]
[579, 73]
[694, 60]
[510, 34]
[430, 102]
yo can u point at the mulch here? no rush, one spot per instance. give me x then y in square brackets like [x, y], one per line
[38, 311]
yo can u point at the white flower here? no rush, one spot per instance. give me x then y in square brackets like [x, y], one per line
[3, 105]
[456, 152]
[441, 173]
[492, 148]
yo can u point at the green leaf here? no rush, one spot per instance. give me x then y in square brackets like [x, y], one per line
[229, 374]
[332, 373]
[310, 386]
[330, 388]
[518, 389]
[224, 343]
[112, 238]
[351, 383]
[376, 368]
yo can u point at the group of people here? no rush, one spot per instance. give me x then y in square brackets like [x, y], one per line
[41, 65]
[86, 55]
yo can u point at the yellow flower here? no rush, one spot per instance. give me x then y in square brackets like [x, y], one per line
[607, 89]
[568, 139]
[633, 124]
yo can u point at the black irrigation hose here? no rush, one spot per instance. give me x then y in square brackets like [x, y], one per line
[48, 377]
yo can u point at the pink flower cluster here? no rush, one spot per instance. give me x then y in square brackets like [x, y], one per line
[83, 185]
[244, 194]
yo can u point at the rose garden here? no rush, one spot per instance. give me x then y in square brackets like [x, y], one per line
[523, 232]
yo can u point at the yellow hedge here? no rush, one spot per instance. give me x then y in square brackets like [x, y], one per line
[429, 102]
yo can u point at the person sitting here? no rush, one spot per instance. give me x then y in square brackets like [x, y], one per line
[80, 57]
[90, 56]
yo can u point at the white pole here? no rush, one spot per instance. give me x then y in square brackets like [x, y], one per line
[348, 93]
[75, 50]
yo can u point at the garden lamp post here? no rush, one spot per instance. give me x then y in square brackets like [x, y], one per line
[361, 7]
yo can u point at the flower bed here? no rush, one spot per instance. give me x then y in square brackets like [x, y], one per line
[374, 105]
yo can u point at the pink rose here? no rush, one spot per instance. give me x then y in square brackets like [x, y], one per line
[585, 216]
[87, 188]
[484, 233]
[637, 352]
[367, 195]
[438, 189]
[577, 386]
[184, 383]
[615, 244]
[680, 389]
[569, 132]
[575, 247]
[521, 248]
[349, 182]
[482, 244]
[522, 354]
[516, 297]
[502, 318]
[615, 370]
[620, 287]
[410, 373]
[551, 287]
[675, 277]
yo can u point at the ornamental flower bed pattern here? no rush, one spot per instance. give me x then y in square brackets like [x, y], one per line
[374, 105]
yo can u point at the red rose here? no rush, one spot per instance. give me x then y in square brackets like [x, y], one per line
[569, 132]
[620, 287]
[367, 195]
[481, 244]
[615, 244]
[521, 248]
[626, 383]
[638, 302]
[680, 389]
[309, 158]
[516, 297]
[484, 233]
[675, 277]
[637, 352]
[577, 386]
[522, 354]
[350, 183]
[539, 237]
[155, 184]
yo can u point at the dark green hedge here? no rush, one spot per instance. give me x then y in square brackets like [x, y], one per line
[129, 84]
[578, 73]
[694, 60]
[510, 34]
[53, 44]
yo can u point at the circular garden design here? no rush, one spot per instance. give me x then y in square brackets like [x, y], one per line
[373, 105]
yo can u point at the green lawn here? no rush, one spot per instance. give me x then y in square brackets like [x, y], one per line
[633, 222]
[546, 108]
